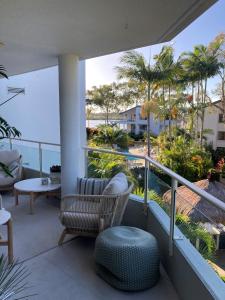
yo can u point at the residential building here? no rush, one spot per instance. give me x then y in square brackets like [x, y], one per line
[136, 124]
[214, 121]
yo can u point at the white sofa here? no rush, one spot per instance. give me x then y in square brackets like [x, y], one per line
[13, 160]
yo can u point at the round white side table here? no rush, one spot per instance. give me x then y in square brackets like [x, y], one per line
[34, 188]
[5, 219]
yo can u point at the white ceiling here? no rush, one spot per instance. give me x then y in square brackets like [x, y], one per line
[35, 32]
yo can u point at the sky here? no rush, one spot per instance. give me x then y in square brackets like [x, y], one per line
[101, 70]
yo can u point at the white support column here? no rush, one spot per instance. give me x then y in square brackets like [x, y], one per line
[72, 120]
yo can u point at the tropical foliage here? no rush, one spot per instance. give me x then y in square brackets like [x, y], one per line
[194, 231]
[183, 155]
[111, 135]
[135, 68]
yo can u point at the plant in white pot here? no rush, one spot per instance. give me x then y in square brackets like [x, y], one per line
[55, 174]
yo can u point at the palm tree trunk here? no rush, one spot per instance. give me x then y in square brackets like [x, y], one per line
[192, 114]
[148, 123]
[223, 94]
[164, 108]
[197, 113]
[170, 134]
[203, 110]
[148, 135]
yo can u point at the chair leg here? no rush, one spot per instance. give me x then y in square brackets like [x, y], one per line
[62, 237]
[10, 241]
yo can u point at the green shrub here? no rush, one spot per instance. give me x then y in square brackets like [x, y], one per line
[193, 231]
[184, 156]
[111, 135]
[104, 165]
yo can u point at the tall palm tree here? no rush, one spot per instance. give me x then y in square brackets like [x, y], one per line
[202, 64]
[135, 68]
[169, 70]
[217, 46]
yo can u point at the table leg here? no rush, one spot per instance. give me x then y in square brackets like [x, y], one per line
[32, 197]
[10, 241]
[16, 193]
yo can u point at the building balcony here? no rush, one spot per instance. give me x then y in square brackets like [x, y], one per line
[63, 272]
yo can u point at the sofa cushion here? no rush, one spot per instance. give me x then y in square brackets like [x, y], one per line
[8, 156]
[82, 221]
[117, 185]
[6, 180]
[91, 186]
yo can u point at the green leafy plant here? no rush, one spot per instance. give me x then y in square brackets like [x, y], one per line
[194, 231]
[103, 165]
[13, 280]
[111, 135]
[7, 131]
[184, 156]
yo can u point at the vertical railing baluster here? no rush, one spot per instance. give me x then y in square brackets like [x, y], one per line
[146, 186]
[172, 214]
[40, 158]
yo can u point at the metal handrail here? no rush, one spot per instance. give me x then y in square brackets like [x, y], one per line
[169, 172]
[175, 179]
[34, 141]
[40, 154]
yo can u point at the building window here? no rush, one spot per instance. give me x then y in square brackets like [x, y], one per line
[221, 118]
[221, 135]
[143, 127]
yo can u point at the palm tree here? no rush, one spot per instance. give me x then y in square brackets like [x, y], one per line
[135, 68]
[218, 46]
[201, 64]
[111, 135]
[169, 70]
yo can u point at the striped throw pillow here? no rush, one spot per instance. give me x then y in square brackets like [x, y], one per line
[91, 186]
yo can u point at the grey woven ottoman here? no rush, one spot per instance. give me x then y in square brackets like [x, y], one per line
[127, 258]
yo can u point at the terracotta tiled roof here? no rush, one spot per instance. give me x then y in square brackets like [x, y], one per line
[198, 209]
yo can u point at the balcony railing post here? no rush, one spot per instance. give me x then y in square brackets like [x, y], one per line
[40, 159]
[172, 214]
[146, 186]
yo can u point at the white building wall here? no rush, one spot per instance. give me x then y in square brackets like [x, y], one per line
[133, 117]
[35, 114]
[212, 122]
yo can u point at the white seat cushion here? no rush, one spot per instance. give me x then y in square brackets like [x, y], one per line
[8, 156]
[117, 185]
[6, 180]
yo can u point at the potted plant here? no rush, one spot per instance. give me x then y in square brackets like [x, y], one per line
[55, 174]
[13, 280]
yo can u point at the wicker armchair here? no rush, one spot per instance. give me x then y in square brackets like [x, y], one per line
[90, 214]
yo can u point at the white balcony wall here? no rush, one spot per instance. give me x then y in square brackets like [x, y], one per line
[35, 114]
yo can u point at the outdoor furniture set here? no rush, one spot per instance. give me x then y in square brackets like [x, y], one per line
[126, 257]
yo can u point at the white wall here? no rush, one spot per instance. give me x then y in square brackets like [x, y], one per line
[35, 114]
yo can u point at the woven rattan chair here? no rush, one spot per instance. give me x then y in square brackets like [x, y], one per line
[90, 214]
